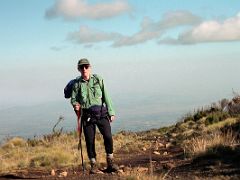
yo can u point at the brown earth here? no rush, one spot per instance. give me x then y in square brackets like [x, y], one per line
[167, 161]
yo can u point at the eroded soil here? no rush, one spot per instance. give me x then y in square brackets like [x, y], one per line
[167, 161]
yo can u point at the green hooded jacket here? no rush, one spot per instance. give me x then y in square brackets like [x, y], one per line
[91, 92]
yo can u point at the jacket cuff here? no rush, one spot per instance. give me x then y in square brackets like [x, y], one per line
[111, 113]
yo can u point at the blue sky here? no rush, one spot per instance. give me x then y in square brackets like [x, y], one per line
[146, 48]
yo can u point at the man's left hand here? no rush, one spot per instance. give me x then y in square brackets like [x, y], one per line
[112, 118]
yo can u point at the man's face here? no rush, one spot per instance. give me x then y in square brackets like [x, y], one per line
[85, 70]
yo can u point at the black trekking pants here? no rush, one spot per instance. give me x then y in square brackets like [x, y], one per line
[89, 129]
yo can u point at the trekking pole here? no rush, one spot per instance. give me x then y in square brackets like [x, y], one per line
[79, 135]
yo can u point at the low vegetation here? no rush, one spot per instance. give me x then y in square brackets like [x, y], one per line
[197, 146]
[58, 151]
[207, 132]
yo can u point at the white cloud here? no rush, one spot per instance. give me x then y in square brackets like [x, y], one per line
[177, 18]
[149, 30]
[137, 38]
[57, 48]
[146, 33]
[210, 31]
[72, 9]
[152, 30]
[86, 35]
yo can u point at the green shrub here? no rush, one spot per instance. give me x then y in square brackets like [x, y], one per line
[216, 117]
[188, 117]
[164, 130]
[199, 115]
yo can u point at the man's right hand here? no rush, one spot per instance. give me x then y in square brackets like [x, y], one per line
[77, 107]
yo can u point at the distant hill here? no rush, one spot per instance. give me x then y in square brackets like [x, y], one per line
[28, 121]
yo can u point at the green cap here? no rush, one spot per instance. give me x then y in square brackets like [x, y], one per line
[83, 61]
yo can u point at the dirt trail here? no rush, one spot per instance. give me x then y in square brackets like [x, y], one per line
[167, 161]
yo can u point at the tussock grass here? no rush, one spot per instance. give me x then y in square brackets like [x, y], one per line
[197, 133]
[125, 142]
[143, 177]
[59, 150]
[218, 125]
[53, 158]
[44, 152]
[198, 145]
[137, 174]
[14, 143]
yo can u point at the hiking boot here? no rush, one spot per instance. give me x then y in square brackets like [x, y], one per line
[111, 167]
[94, 168]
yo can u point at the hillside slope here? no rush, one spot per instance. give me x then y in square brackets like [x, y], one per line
[204, 144]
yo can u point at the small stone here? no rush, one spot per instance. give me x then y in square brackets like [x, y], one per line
[121, 166]
[142, 169]
[155, 152]
[170, 165]
[100, 172]
[126, 169]
[168, 145]
[161, 145]
[120, 171]
[144, 149]
[53, 172]
[63, 174]
[165, 153]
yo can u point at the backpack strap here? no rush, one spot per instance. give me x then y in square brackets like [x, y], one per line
[101, 84]
[78, 82]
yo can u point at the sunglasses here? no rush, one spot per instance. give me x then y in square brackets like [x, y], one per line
[86, 66]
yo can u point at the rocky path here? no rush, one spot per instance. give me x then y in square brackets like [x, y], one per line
[155, 160]
[163, 159]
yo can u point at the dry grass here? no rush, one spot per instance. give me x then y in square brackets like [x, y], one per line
[218, 125]
[58, 151]
[126, 142]
[194, 134]
[45, 152]
[139, 173]
[199, 145]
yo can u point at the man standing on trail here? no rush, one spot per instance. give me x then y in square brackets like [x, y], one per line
[89, 95]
